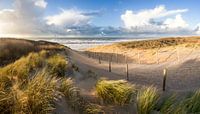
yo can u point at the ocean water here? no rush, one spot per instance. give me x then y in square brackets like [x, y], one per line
[83, 43]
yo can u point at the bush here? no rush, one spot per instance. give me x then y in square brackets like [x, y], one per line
[115, 92]
[146, 100]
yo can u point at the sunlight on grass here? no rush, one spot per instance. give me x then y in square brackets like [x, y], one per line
[146, 100]
[118, 92]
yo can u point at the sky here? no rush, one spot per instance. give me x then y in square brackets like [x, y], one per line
[99, 18]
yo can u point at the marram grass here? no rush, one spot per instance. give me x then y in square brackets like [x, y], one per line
[57, 65]
[114, 92]
[146, 100]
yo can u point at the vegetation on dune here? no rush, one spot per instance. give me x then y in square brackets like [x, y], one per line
[57, 65]
[38, 96]
[13, 49]
[25, 67]
[70, 92]
[158, 43]
[146, 100]
[42, 88]
[118, 92]
[192, 103]
[168, 104]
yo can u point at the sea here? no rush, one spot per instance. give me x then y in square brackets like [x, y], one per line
[84, 43]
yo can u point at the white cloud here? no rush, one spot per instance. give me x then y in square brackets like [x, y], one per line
[197, 29]
[68, 18]
[177, 22]
[144, 18]
[41, 3]
[25, 18]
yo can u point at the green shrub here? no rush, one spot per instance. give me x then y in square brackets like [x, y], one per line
[146, 100]
[118, 92]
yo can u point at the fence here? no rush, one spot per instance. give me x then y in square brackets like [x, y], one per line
[180, 62]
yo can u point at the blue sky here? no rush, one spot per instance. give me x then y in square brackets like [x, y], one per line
[99, 17]
[112, 9]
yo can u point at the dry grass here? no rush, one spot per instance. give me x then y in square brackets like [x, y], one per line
[57, 65]
[146, 100]
[159, 43]
[13, 49]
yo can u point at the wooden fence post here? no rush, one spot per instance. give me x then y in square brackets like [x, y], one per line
[127, 73]
[110, 64]
[99, 59]
[164, 78]
[138, 57]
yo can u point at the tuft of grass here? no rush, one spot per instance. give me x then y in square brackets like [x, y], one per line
[192, 104]
[170, 105]
[75, 67]
[6, 102]
[70, 92]
[57, 65]
[93, 109]
[38, 96]
[5, 83]
[118, 92]
[146, 100]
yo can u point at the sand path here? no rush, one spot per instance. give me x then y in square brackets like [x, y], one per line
[182, 76]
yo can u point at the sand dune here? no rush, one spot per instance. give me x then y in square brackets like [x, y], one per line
[182, 62]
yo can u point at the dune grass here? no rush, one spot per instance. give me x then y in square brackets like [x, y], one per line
[13, 49]
[114, 92]
[159, 43]
[57, 65]
[25, 67]
[192, 103]
[31, 84]
[146, 100]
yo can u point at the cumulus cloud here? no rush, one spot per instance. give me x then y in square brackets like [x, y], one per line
[68, 18]
[24, 18]
[145, 18]
[177, 22]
